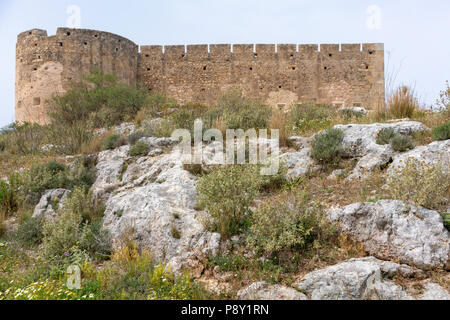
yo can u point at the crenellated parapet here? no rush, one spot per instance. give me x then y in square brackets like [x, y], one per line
[346, 74]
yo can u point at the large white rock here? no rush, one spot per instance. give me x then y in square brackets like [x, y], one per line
[298, 164]
[364, 279]
[155, 198]
[264, 291]
[355, 279]
[51, 200]
[360, 142]
[437, 151]
[393, 230]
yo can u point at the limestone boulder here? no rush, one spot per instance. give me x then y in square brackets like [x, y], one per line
[394, 230]
[50, 202]
[264, 291]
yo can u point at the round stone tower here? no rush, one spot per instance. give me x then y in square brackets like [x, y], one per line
[50, 65]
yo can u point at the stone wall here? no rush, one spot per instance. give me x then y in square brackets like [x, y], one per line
[343, 75]
[48, 65]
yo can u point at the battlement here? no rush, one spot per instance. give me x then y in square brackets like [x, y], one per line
[280, 74]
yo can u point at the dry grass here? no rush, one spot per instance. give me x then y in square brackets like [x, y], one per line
[280, 120]
[11, 163]
[403, 103]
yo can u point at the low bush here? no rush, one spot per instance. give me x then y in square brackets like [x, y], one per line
[8, 195]
[402, 143]
[288, 221]
[114, 141]
[402, 103]
[442, 132]
[22, 139]
[76, 235]
[308, 118]
[385, 136]
[443, 102]
[240, 112]
[135, 136]
[327, 148]
[140, 148]
[419, 182]
[227, 193]
[29, 232]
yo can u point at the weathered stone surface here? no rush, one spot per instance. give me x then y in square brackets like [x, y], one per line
[265, 291]
[360, 142]
[355, 279]
[433, 291]
[393, 230]
[298, 164]
[156, 201]
[109, 167]
[45, 207]
[437, 151]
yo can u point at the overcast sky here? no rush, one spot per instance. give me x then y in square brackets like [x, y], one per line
[415, 32]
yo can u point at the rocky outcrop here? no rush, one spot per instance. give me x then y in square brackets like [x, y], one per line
[50, 202]
[438, 151]
[152, 200]
[264, 291]
[360, 142]
[393, 230]
[433, 291]
[298, 164]
[355, 279]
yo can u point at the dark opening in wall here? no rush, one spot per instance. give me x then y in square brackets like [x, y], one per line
[148, 69]
[60, 44]
[183, 55]
[279, 87]
[29, 32]
[367, 67]
[203, 89]
[204, 67]
[85, 43]
[36, 101]
[330, 55]
[250, 68]
[292, 56]
[255, 55]
[95, 35]
[35, 69]
[147, 55]
[68, 33]
[325, 68]
[371, 52]
[293, 68]
[117, 49]
[35, 44]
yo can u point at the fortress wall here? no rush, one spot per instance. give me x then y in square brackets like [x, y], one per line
[347, 74]
[48, 65]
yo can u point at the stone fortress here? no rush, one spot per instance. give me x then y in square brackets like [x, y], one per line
[350, 75]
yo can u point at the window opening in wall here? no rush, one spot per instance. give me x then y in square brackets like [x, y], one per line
[281, 106]
[255, 55]
[68, 33]
[85, 43]
[371, 52]
[60, 44]
[148, 69]
[204, 67]
[330, 55]
[250, 68]
[36, 101]
[293, 68]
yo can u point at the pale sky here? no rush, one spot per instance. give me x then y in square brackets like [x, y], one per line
[416, 33]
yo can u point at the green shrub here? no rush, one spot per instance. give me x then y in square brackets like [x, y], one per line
[311, 117]
[442, 132]
[75, 237]
[134, 137]
[114, 141]
[185, 116]
[100, 100]
[29, 231]
[350, 113]
[8, 195]
[327, 147]
[239, 112]
[402, 143]
[22, 139]
[227, 193]
[385, 136]
[419, 182]
[288, 221]
[446, 217]
[139, 149]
